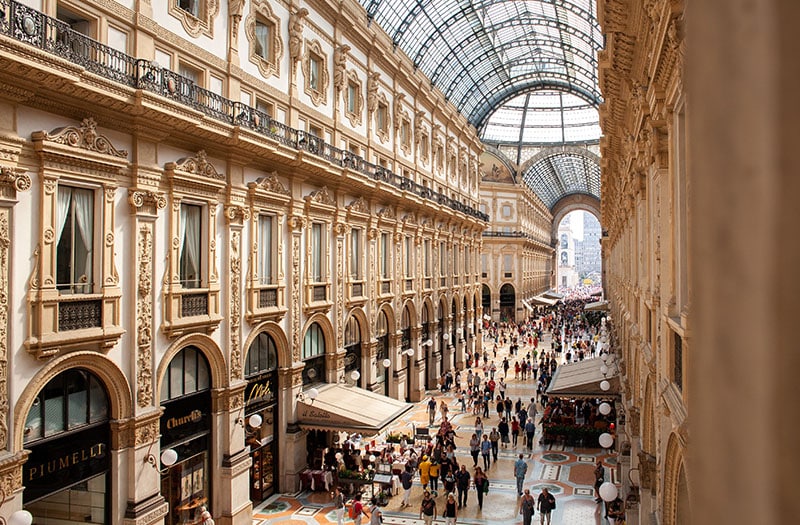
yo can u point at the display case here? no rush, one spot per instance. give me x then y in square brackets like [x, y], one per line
[262, 473]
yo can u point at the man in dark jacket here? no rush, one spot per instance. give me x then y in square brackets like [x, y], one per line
[462, 484]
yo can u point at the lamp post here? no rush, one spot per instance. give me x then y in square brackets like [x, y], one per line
[386, 364]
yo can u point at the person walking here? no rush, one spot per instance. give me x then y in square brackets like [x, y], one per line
[527, 506]
[478, 427]
[427, 509]
[494, 438]
[514, 431]
[599, 478]
[338, 504]
[481, 485]
[545, 503]
[376, 515]
[486, 450]
[450, 510]
[407, 480]
[424, 472]
[503, 428]
[474, 449]
[433, 473]
[431, 411]
[520, 470]
[358, 509]
[530, 430]
[462, 484]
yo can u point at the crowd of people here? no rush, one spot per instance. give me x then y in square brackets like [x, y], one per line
[481, 389]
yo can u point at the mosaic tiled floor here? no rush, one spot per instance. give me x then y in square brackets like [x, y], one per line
[564, 470]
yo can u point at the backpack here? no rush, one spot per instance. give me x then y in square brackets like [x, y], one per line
[353, 512]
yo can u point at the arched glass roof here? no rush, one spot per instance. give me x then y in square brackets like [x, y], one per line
[556, 173]
[482, 53]
[543, 117]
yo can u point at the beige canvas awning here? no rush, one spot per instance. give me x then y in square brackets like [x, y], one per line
[598, 306]
[540, 299]
[582, 379]
[527, 305]
[344, 408]
[553, 295]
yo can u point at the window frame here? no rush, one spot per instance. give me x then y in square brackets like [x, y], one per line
[316, 82]
[199, 23]
[268, 63]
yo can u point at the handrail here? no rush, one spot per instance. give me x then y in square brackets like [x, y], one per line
[34, 28]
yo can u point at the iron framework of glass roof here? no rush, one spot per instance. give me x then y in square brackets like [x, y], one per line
[481, 53]
[558, 173]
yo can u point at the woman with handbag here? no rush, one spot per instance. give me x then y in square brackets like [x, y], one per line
[481, 485]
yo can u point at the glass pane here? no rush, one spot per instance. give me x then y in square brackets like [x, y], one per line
[78, 399]
[262, 40]
[176, 377]
[190, 370]
[203, 374]
[54, 412]
[33, 423]
[265, 247]
[98, 401]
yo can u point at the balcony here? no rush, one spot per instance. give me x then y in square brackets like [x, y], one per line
[27, 25]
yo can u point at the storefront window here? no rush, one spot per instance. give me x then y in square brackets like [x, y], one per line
[260, 400]
[185, 428]
[314, 355]
[67, 432]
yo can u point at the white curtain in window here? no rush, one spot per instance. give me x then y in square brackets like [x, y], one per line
[316, 252]
[83, 202]
[265, 249]
[190, 241]
[64, 197]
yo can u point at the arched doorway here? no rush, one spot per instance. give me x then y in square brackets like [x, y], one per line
[68, 433]
[486, 301]
[186, 429]
[382, 352]
[261, 416]
[352, 349]
[443, 338]
[508, 303]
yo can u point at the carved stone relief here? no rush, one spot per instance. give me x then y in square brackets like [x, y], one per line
[144, 316]
[235, 303]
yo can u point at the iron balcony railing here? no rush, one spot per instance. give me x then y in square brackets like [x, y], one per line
[32, 27]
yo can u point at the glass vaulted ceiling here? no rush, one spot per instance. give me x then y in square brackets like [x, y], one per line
[520, 71]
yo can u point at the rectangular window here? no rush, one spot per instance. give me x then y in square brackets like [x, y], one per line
[423, 147]
[677, 360]
[314, 69]
[265, 248]
[381, 118]
[409, 256]
[190, 236]
[190, 6]
[355, 254]
[508, 263]
[384, 255]
[467, 257]
[405, 134]
[262, 43]
[442, 259]
[352, 95]
[317, 254]
[265, 107]
[427, 258]
[456, 269]
[484, 264]
[75, 234]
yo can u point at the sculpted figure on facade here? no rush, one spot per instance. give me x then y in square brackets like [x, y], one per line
[340, 67]
[296, 21]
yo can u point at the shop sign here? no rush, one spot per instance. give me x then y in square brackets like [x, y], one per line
[185, 417]
[260, 392]
[61, 462]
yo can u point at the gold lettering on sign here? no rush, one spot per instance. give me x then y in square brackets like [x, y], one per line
[193, 417]
[66, 461]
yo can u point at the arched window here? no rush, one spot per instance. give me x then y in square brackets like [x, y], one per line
[314, 355]
[71, 400]
[382, 335]
[564, 241]
[262, 356]
[352, 347]
[187, 373]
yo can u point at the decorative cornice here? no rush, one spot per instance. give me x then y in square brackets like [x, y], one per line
[85, 136]
[142, 199]
[269, 183]
[321, 196]
[198, 165]
[359, 205]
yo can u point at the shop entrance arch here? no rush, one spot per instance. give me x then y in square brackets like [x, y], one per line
[508, 303]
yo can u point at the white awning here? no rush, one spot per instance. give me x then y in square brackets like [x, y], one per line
[582, 379]
[527, 305]
[541, 299]
[553, 295]
[349, 408]
[598, 306]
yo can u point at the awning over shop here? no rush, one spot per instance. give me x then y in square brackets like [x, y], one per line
[343, 408]
[598, 306]
[550, 294]
[582, 379]
[527, 305]
[541, 299]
